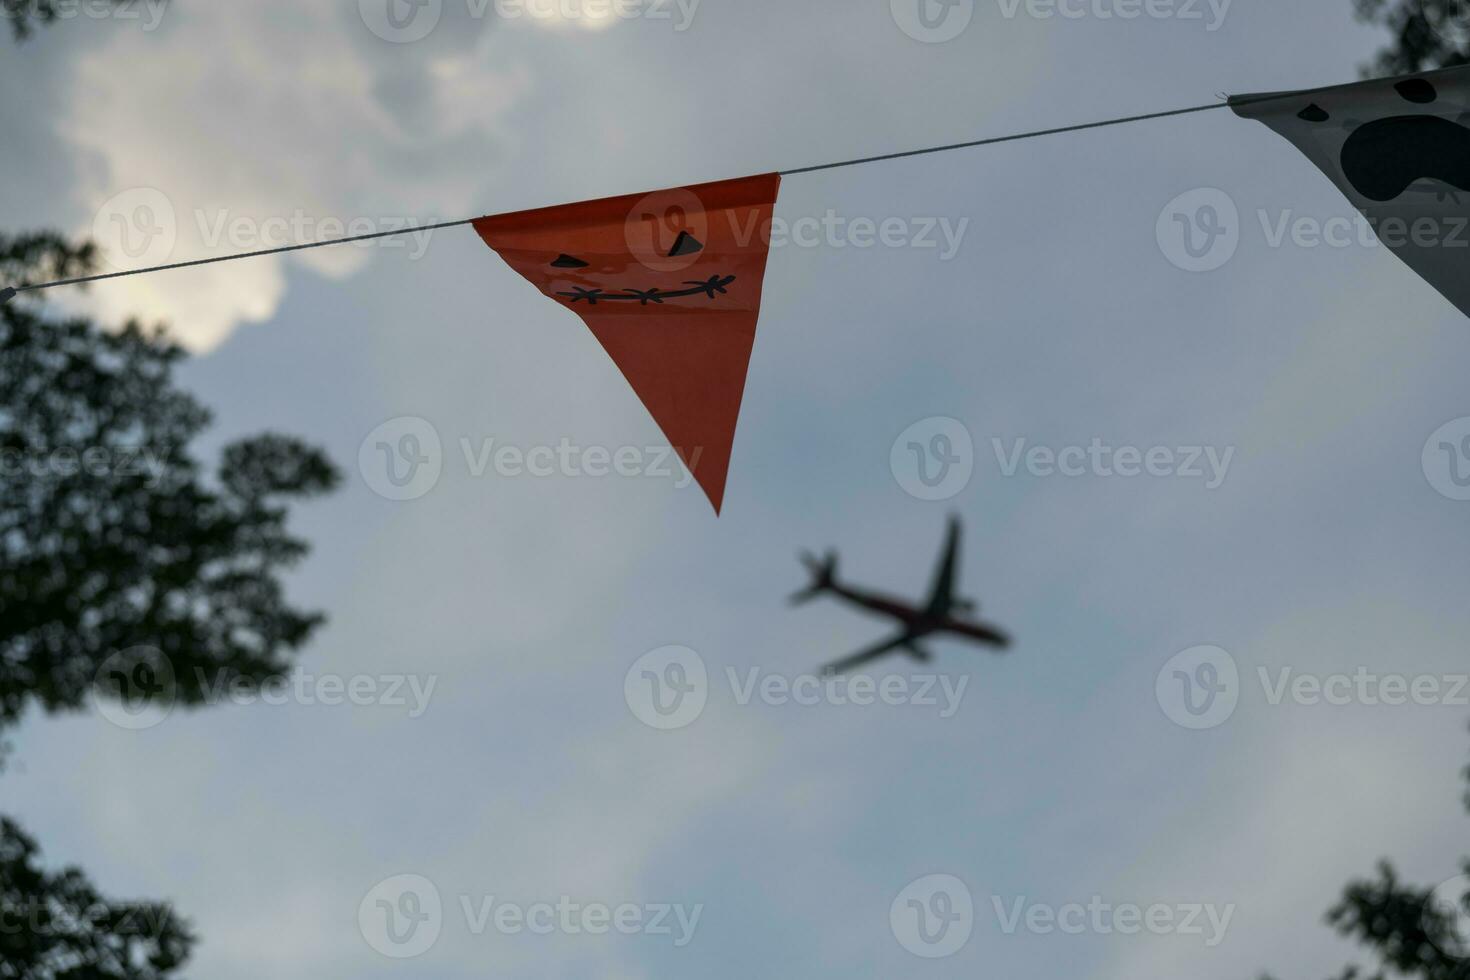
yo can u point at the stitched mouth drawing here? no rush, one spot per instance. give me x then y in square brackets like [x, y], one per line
[1382, 158]
[685, 244]
[714, 285]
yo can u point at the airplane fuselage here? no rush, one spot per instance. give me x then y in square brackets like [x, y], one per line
[918, 622]
[937, 615]
[883, 605]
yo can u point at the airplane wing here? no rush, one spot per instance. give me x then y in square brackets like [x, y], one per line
[868, 655]
[941, 593]
[986, 634]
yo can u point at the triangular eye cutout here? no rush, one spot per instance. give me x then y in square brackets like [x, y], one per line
[685, 244]
[565, 261]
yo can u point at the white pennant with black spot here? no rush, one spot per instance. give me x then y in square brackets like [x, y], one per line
[1400, 150]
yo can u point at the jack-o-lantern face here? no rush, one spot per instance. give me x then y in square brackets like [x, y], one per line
[670, 284]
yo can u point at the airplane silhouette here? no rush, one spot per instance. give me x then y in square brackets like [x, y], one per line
[942, 614]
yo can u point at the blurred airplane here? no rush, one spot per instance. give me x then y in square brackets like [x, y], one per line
[944, 612]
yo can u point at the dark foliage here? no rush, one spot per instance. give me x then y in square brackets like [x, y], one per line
[57, 927]
[1408, 933]
[110, 539]
[117, 557]
[1426, 34]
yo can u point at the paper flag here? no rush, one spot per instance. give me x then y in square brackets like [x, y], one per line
[670, 284]
[1399, 149]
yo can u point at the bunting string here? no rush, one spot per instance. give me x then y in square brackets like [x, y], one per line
[10, 292]
[1237, 102]
[670, 283]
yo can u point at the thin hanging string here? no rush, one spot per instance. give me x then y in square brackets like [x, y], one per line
[1014, 137]
[9, 292]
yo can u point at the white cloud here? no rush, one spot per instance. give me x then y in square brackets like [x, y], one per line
[560, 14]
[215, 134]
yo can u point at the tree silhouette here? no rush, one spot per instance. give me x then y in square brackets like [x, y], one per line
[1409, 930]
[57, 927]
[121, 566]
[118, 562]
[113, 546]
[1427, 34]
[1410, 933]
[117, 558]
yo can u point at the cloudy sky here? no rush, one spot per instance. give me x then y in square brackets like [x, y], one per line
[496, 624]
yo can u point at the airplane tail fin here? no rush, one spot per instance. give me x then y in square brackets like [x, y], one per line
[824, 576]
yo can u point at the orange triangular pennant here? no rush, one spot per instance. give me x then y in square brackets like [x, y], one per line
[670, 284]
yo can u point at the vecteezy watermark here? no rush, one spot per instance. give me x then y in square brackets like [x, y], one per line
[1358, 230]
[667, 688]
[141, 226]
[665, 229]
[944, 236]
[1449, 903]
[410, 692]
[1210, 13]
[1098, 917]
[122, 464]
[407, 21]
[137, 689]
[933, 459]
[32, 915]
[146, 14]
[219, 229]
[938, 691]
[1201, 688]
[1447, 459]
[401, 917]
[570, 460]
[137, 226]
[404, 459]
[404, 916]
[1364, 687]
[1210, 464]
[670, 687]
[933, 917]
[1201, 230]
[567, 917]
[932, 21]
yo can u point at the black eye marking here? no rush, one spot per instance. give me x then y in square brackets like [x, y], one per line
[685, 244]
[565, 261]
[1383, 157]
[1314, 114]
[1417, 90]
